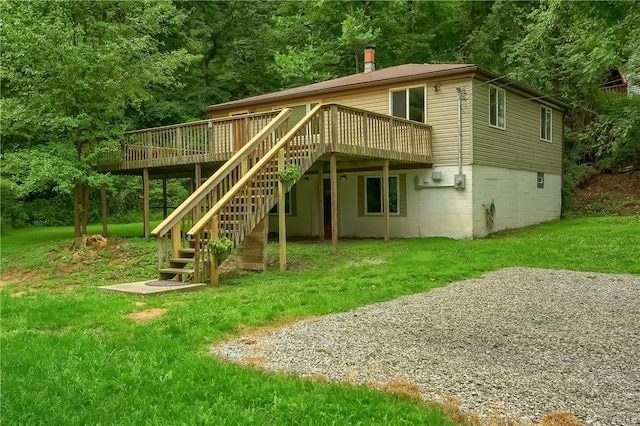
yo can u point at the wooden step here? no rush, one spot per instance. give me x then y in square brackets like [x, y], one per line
[182, 260]
[176, 271]
[186, 252]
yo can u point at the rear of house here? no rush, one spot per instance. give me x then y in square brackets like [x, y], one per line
[417, 150]
[501, 140]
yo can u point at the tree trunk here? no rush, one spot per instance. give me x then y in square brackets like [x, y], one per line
[76, 212]
[85, 208]
[80, 213]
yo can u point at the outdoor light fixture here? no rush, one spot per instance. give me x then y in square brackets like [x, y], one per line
[343, 177]
[436, 87]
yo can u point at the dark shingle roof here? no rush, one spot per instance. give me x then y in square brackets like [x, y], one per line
[395, 74]
[400, 72]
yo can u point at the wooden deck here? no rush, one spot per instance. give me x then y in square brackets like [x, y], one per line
[249, 151]
[344, 130]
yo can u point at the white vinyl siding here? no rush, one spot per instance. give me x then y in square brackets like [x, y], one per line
[497, 107]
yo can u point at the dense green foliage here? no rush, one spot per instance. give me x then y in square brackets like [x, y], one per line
[70, 356]
[95, 69]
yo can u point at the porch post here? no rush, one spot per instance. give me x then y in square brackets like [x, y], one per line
[385, 205]
[334, 203]
[103, 199]
[282, 224]
[213, 260]
[321, 205]
[197, 180]
[198, 175]
[164, 196]
[145, 202]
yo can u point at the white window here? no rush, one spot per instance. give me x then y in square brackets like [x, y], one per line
[409, 103]
[497, 105]
[545, 123]
[374, 196]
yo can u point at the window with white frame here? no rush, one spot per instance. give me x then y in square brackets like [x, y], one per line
[545, 123]
[374, 195]
[497, 107]
[409, 103]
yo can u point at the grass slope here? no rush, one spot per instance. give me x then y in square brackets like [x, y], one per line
[70, 356]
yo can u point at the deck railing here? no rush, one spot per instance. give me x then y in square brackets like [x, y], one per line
[348, 130]
[368, 134]
[214, 140]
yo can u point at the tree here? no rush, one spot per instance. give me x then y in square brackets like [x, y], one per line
[70, 70]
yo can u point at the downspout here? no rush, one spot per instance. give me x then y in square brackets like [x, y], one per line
[459, 180]
[459, 90]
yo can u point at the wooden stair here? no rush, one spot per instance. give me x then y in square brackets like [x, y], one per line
[178, 265]
[240, 195]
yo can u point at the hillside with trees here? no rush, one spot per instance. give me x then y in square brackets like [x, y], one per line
[78, 74]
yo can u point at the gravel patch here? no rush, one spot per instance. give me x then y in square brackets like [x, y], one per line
[516, 344]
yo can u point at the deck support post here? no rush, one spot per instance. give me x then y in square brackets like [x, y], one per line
[103, 202]
[213, 259]
[164, 197]
[198, 175]
[334, 203]
[385, 205]
[197, 180]
[282, 224]
[320, 205]
[145, 202]
[334, 128]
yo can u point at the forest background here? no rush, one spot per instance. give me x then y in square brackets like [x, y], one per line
[79, 74]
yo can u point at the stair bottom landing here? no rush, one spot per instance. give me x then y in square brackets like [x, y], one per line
[141, 287]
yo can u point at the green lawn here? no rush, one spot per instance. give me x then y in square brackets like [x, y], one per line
[70, 356]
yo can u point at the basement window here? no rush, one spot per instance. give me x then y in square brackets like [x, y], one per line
[409, 103]
[545, 123]
[374, 195]
[497, 106]
[289, 204]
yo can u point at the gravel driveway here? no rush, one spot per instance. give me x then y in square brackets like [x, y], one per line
[518, 343]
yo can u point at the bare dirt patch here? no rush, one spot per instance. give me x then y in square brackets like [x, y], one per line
[561, 418]
[251, 334]
[610, 194]
[144, 316]
[20, 277]
[292, 265]
[399, 385]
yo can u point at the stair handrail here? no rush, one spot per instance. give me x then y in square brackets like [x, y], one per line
[229, 195]
[199, 194]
